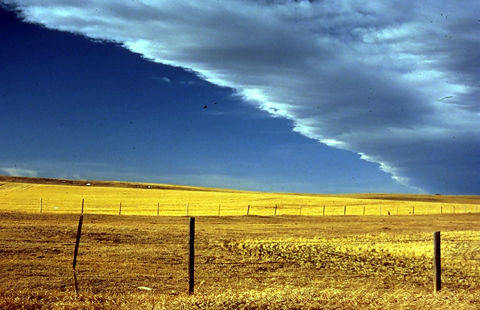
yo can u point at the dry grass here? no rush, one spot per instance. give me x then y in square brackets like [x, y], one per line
[298, 269]
[284, 298]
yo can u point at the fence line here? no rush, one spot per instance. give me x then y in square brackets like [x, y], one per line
[211, 261]
[234, 209]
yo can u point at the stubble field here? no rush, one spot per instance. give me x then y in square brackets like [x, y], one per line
[242, 262]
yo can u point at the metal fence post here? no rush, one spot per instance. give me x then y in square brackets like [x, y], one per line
[437, 284]
[191, 257]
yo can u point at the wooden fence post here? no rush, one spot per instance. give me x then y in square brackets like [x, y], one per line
[300, 211]
[323, 210]
[41, 205]
[75, 253]
[120, 209]
[344, 210]
[441, 209]
[191, 257]
[363, 210]
[275, 212]
[83, 203]
[248, 210]
[218, 210]
[188, 209]
[437, 284]
[413, 210]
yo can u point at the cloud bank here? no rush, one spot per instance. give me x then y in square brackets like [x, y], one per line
[395, 81]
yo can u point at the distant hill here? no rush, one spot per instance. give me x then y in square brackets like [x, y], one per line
[123, 184]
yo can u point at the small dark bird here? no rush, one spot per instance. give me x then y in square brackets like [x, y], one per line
[205, 106]
[215, 102]
[444, 98]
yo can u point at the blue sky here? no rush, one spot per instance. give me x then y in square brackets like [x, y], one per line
[97, 91]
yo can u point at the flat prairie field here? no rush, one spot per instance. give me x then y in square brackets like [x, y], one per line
[241, 262]
[102, 197]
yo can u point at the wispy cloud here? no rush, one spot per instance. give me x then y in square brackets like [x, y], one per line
[20, 172]
[364, 77]
[162, 79]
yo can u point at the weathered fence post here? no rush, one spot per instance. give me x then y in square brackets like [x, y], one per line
[248, 210]
[323, 210]
[300, 211]
[218, 210]
[437, 284]
[413, 210]
[41, 205]
[275, 212]
[75, 253]
[441, 209]
[191, 257]
[120, 209]
[83, 203]
[344, 210]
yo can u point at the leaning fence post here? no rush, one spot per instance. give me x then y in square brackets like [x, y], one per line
[437, 284]
[75, 253]
[191, 257]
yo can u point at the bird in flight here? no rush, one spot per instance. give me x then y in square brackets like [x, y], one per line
[444, 98]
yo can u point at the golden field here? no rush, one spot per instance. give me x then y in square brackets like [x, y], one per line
[242, 262]
[171, 200]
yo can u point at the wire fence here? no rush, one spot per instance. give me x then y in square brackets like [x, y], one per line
[160, 208]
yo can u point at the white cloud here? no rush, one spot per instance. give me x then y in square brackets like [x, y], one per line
[365, 77]
[162, 79]
[14, 171]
